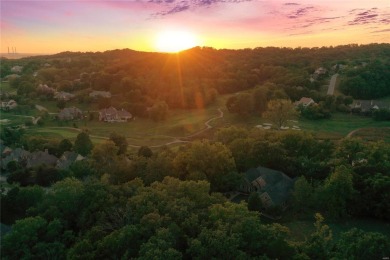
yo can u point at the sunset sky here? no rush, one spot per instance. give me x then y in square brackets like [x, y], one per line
[55, 26]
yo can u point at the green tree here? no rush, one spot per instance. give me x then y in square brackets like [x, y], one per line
[34, 238]
[211, 161]
[260, 100]
[357, 244]
[120, 141]
[279, 111]
[104, 156]
[145, 151]
[61, 104]
[337, 191]
[63, 146]
[227, 135]
[254, 202]
[159, 111]
[319, 244]
[83, 144]
[303, 193]
[241, 104]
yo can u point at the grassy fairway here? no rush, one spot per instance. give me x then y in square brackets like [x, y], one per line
[340, 125]
[182, 123]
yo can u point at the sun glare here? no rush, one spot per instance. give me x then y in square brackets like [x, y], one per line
[175, 41]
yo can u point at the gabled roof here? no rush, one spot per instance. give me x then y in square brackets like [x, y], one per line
[367, 105]
[305, 101]
[108, 111]
[277, 184]
[70, 113]
[67, 159]
[124, 114]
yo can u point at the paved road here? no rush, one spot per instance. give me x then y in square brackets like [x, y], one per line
[332, 84]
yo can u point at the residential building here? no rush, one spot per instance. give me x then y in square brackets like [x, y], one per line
[67, 159]
[41, 157]
[366, 106]
[111, 114]
[305, 102]
[274, 187]
[70, 113]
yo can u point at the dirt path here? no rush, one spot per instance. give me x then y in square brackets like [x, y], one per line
[175, 140]
[353, 132]
[350, 134]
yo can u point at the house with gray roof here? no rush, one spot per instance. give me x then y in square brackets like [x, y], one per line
[18, 155]
[70, 113]
[274, 187]
[41, 157]
[67, 159]
[367, 106]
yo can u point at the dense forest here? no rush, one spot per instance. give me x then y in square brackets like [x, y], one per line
[173, 204]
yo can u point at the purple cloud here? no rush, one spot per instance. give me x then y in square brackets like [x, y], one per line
[373, 15]
[173, 6]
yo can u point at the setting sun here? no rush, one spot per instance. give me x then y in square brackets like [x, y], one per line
[175, 41]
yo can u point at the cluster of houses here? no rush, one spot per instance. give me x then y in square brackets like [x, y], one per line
[66, 96]
[37, 158]
[110, 114]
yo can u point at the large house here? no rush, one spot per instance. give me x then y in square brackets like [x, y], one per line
[111, 114]
[305, 102]
[19, 155]
[70, 113]
[45, 89]
[274, 187]
[41, 157]
[8, 105]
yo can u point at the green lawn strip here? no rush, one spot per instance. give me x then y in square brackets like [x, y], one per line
[340, 123]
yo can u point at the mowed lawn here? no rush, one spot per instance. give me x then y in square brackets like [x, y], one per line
[141, 131]
[340, 125]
